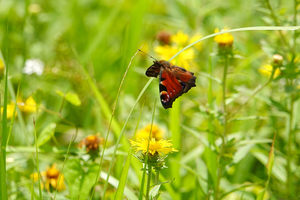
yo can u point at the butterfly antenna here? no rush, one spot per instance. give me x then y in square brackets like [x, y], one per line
[147, 54]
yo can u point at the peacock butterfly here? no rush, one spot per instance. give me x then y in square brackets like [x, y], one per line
[173, 81]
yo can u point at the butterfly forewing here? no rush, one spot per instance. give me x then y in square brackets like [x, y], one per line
[153, 70]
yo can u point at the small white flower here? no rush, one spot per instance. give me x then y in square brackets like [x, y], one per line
[34, 66]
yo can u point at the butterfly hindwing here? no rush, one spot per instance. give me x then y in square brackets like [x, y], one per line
[169, 88]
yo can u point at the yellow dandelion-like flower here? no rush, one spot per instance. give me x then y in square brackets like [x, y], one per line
[156, 133]
[155, 147]
[50, 178]
[224, 41]
[183, 60]
[10, 110]
[180, 38]
[267, 69]
[29, 106]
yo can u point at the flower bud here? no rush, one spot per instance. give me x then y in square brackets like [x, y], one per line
[277, 60]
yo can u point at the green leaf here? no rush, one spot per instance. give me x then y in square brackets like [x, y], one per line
[278, 105]
[70, 97]
[46, 134]
[154, 192]
[38, 97]
[73, 99]
[271, 158]
[242, 152]
[80, 179]
[122, 183]
[261, 195]
[60, 93]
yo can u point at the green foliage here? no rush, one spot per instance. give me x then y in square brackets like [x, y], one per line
[80, 178]
[46, 134]
[71, 70]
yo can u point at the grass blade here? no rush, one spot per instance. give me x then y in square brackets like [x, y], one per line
[3, 137]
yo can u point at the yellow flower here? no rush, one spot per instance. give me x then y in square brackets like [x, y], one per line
[50, 179]
[266, 70]
[156, 133]
[180, 38]
[91, 142]
[155, 147]
[183, 60]
[178, 41]
[29, 106]
[10, 110]
[2, 67]
[224, 41]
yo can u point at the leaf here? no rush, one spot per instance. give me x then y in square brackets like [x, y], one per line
[70, 97]
[271, 158]
[122, 183]
[73, 99]
[279, 106]
[128, 193]
[46, 134]
[154, 192]
[80, 180]
[60, 93]
[242, 152]
[261, 195]
[38, 97]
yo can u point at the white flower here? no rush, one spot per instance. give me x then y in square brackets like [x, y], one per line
[34, 66]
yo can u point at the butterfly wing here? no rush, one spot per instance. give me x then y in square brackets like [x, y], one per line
[169, 88]
[173, 81]
[153, 70]
[186, 78]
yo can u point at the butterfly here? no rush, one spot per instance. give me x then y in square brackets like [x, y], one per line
[173, 81]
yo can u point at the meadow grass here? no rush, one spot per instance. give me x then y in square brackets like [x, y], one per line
[99, 130]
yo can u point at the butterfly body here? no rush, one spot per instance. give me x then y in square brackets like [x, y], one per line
[173, 81]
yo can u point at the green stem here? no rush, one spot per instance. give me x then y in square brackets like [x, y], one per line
[289, 183]
[148, 181]
[156, 180]
[222, 150]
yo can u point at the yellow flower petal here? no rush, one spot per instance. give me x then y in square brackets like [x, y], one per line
[180, 38]
[156, 133]
[225, 39]
[161, 146]
[266, 70]
[29, 106]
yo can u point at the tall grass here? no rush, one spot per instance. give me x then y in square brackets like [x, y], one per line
[223, 128]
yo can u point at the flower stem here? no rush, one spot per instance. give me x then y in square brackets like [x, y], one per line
[289, 185]
[156, 180]
[222, 150]
[149, 181]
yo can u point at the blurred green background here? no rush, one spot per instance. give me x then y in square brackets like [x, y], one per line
[101, 37]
